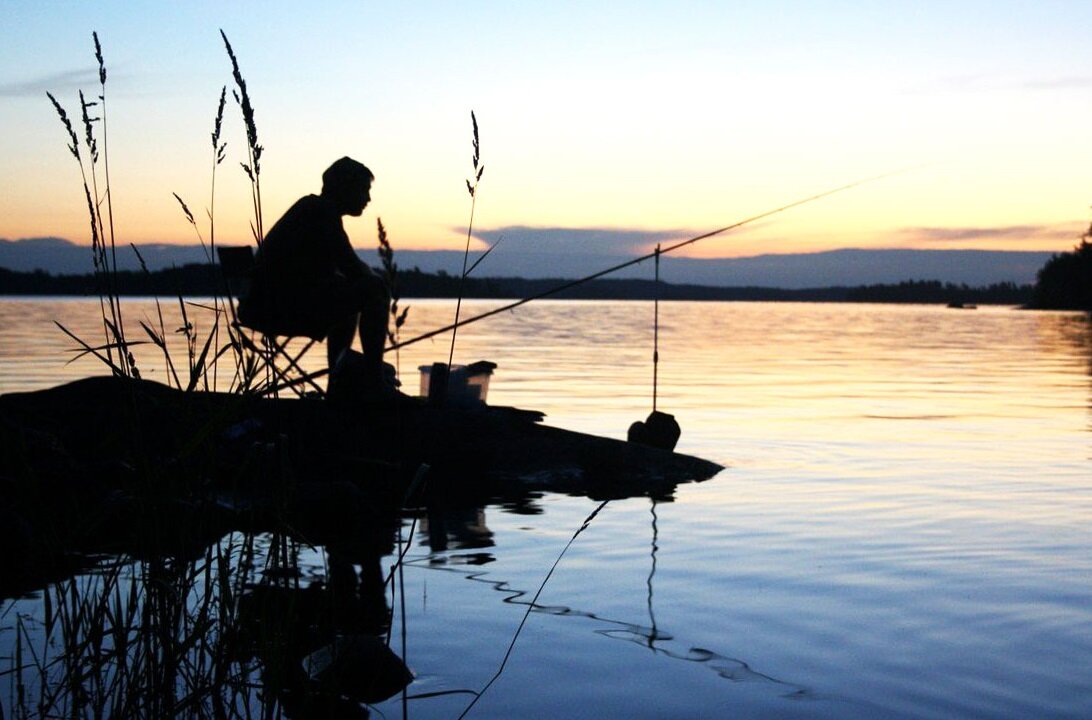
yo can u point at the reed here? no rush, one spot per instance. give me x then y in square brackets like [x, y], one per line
[116, 350]
[160, 636]
[187, 329]
[472, 189]
[251, 362]
[253, 166]
[117, 642]
[105, 264]
[148, 639]
[106, 228]
[198, 368]
[219, 148]
[390, 276]
[264, 364]
[159, 339]
[112, 321]
[156, 637]
[99, 231]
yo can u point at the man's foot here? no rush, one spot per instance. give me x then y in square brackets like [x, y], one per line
[390, 375]
[352, 380]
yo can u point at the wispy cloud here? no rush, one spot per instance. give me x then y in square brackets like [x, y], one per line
[999, 234]
[62, 82]
[989, 82]
[570, 241]
[1078, 82]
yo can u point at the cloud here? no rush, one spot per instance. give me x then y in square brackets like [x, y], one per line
[57, 83]
[989, 82]
[584, 241]
[1001, 234]
[1078, 82]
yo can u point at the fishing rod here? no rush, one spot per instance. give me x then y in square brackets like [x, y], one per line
[655, 253]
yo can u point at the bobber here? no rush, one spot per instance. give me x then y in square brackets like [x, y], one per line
[659, 430]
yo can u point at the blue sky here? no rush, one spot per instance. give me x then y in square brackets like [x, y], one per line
[636, 120]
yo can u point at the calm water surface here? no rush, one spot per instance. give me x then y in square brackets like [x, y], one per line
[904, 528]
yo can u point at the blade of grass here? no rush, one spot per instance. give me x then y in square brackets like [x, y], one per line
[88, 349]
[197, 372]
[161, 343]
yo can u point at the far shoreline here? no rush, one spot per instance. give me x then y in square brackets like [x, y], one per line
[203, 281]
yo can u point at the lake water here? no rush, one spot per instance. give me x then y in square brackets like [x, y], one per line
[904, 527]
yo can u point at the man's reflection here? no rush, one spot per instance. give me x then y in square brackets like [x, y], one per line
[459, 528]
[321, 647]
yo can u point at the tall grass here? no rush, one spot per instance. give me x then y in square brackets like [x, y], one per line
[253, 165]
[472, 188]
[251, 370]
[103, 251]
[218, 149]
[390, 276]
[148, 639]
[160, 637]
[219, 306]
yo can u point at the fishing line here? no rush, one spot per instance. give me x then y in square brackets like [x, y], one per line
[531, 606]
[653, 636]
[656, 332]
[740, 669]
[659, 430]
[670, 248]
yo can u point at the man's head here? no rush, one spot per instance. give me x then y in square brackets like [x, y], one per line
[348, 185]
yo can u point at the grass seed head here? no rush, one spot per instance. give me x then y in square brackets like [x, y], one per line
[243, 98]
[96, 245]
[74, 144]
[89, 135]
[98, 56]
[186, 210]
[217, 146]
[477, 146]
[476, 157]
[143, 265]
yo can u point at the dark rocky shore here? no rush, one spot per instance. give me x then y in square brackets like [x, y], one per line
[110, 465]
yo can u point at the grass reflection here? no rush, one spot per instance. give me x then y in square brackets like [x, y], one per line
[230, 634]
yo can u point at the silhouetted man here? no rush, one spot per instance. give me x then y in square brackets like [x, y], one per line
[309, 281]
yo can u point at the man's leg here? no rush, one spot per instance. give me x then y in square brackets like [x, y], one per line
[339, 338]
[374, 315]
[360, 306]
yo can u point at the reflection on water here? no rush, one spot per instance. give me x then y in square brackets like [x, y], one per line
[903, 530]
[233, 633]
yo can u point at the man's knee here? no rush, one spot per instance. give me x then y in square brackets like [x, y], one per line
[376, 288]
[372, 293]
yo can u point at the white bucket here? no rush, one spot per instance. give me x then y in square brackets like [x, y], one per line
[466, 384]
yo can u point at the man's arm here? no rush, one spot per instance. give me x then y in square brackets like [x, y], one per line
[346, 261]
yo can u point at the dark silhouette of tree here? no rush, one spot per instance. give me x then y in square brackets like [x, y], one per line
[934, 291]
[1065, 282]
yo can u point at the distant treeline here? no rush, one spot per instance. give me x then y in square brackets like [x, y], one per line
[205, 280]
[933, 291]
[1065, 282]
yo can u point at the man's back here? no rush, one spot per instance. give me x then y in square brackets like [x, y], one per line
[307, 246]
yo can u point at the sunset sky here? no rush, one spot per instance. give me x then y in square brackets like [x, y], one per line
[643, 121]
